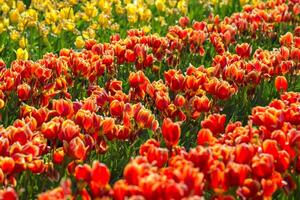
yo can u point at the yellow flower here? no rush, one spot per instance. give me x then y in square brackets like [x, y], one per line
[149, 2]
[14, 16]
[66, 13]
[182, 6]
[115, 27]
[107, 8]
[5, 8]
[14, 35]
[2, 28]
[56, 29]
[132, 18]
[131, 9]
[243, 2]
[21, 6]
[172, 3]
[119, 9]
[89, 33]
[73, 2]
[145, 15]
[160, 5]
[90, 10]
[22, 54]
[23, 42]
[51, 16]
[6, 22]
[146, 29]
[79, 42]
[161, 21]
[103, 20]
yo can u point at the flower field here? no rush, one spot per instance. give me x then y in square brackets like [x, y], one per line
[150, 99]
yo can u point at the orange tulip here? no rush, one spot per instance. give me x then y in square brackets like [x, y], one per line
[205, 137]
[116, 108]
[63, 107]
[77, 148]
[69, 130]
[50, 129]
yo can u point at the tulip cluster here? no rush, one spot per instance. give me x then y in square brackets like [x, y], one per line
[251, 162]
[76, 117]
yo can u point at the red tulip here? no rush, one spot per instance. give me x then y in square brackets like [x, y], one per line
[116, 108]
[171, 132]
[243, 50]
[184, 21]
[8, 194]
[215, 122]
[281, 83]
[24, 91]
[263, 165]
[82, 172]
[58, 155]
[7, 165]
[100, 173]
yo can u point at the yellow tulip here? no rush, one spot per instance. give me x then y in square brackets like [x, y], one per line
[14, 35]
[79, 42]
[160, 5]
[132, 18]
[2, 28]
[119, 9]
[22, 54]
[172, 3]
[115, 27]
[182, 6]
[146, 29]
[23, 42]
[21, 6]
[103, 20]
[5, 8]
[14, 16]
[90, 10]
[131, 9]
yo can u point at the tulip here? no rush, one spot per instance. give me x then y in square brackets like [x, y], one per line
[281, 83]
[23, 91]
[58, 155]
[243, 50]
[171, 132]
[83, 172]
[77, 148]
[215, 122]
[205, 136]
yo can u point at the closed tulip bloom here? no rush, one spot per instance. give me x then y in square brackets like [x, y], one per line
[171, 132]
[281, 83]
[23, 91]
